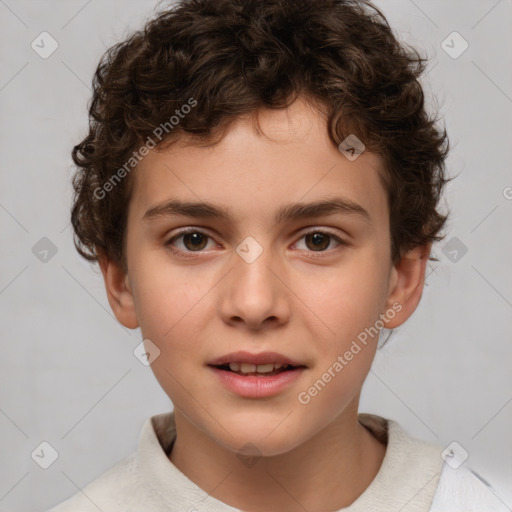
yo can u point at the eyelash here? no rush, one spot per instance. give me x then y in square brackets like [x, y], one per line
[196, 254]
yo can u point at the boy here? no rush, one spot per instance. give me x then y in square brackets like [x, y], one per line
[259, 187]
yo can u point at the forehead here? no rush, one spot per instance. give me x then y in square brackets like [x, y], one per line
[263, 162]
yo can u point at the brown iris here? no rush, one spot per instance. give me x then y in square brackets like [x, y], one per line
[320, 240]
[198, 240]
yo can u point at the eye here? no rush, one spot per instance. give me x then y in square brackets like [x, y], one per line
[193, 240]
[319, 241]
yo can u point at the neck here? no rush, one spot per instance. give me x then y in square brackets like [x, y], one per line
[327, 472]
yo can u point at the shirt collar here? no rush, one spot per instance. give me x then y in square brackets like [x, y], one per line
[406, 481]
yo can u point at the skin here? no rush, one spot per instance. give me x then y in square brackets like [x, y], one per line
[315, 456]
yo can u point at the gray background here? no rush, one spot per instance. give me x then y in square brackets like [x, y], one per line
[67, 372]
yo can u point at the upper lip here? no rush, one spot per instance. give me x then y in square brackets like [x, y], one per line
[260, 358]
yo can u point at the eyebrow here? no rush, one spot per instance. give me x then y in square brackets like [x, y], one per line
[288, 212]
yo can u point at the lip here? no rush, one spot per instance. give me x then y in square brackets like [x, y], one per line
[260, 358]
[250, 386]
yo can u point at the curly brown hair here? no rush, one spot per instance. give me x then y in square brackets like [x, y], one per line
[229, 58]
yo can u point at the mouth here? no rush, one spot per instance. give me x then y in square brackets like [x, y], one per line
[256, 375]
[257, 370]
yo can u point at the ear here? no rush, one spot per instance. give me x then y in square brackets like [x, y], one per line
[119, 292]
[406, 283]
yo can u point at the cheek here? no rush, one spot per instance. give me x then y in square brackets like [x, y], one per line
[173, 306]
[172, 311]
[343, 302]
[345, 339]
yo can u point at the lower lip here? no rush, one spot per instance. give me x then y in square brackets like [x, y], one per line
[252, 386]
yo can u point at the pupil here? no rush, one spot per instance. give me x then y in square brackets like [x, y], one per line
[317, 237]
[195, 237]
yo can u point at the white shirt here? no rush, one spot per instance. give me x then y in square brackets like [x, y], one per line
[413, 478]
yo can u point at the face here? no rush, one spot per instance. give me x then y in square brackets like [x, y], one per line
[303, 287]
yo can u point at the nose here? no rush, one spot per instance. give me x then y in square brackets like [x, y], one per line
[254, 293]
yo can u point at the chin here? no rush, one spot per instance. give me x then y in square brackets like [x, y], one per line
[251, 439]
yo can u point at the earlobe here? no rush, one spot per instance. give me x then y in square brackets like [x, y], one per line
[119, 292]
[406, 284]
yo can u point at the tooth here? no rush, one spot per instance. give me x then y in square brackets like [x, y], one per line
[264, 368]
[277, 366]
[247, 368]
[235, 367]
